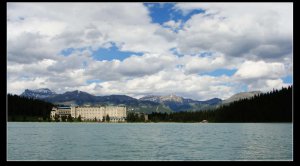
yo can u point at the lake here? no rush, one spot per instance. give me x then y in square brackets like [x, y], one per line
[149, 141]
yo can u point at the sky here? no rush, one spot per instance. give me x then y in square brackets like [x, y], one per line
[194, 50]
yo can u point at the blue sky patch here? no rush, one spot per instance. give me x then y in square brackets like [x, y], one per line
[206, 54]
[220, 72]
[67, 51]
[25, 78]
[163, 12]
[243, 88]
[175, 52]
[93, 81]
[288, 79]
[112, 53]
[84, 64]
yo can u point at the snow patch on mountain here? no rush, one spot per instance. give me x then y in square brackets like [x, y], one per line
[38, 93]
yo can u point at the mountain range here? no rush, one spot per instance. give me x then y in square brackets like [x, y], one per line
[146, 104]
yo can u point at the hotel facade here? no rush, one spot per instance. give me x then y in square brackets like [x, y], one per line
[87, 113]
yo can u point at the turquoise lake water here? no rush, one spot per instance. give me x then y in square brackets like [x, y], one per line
[149, 141]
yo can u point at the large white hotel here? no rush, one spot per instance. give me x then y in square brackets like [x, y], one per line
[115, 113]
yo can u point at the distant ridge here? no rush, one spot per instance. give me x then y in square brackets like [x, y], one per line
[177, 103]
[38, 93]
[178, 99]
[147, 104]
[242, 95]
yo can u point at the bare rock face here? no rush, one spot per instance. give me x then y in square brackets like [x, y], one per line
[242, 95]
[172, 97]
[38, 93]
[161, 99]
[178, 103]
[151, 98]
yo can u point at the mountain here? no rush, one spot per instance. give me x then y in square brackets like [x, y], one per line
[172, 98]
[242, 95]
[178, 99]
[83, 98]
[274, 106]
[213, 101]
[147, 104]
[117, 99]
[161, 99]
[72, 98]
[151, 98]
[177, 103]
[38, 93]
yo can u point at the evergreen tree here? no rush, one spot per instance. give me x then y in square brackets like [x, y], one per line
[70, 119]
[28, 108]
[274, 106]
[79, 118]
[107, 119]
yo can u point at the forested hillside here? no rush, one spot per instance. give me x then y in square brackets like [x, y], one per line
[27, 109]
[274, 106]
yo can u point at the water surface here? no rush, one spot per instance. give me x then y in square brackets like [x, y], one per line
[149, 141]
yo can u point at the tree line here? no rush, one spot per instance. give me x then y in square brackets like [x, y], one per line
[27, 109]
[57, 118]
[135, 117]
[273, 106]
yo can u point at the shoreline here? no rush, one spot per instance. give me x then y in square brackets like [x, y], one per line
[141, 122]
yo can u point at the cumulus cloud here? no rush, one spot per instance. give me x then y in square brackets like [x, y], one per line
[261, 75]
[16, 87]
[238, 29]
[255, 39]
[199, 64]
[133, 66]
[30, 47]
[167, 82]
[266, 85]
[51, 26]
[173, 25]
[260, 69]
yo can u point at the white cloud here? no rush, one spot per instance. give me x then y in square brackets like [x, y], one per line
[133, 66]
[173, 24]
[16, 87]
[255, 39]
[256, 70]
[261, 30]
[283, 12]
[260, 75]
[38, 69]
[266, 85]
[30, 47]
[167, 82]
[198, 64]
[53, 27]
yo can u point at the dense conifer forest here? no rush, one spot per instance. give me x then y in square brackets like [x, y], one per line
[273, 106]
[27, 109]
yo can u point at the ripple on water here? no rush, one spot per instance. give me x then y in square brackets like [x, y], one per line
[159, 141]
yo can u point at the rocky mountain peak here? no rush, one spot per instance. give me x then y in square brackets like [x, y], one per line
[172, 97]
[38, 93]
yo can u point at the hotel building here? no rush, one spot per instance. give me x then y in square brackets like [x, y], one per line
[115, 113]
